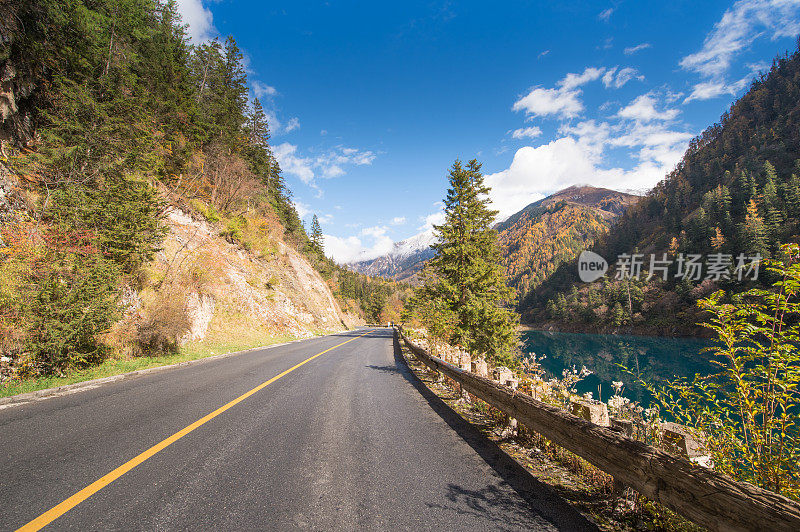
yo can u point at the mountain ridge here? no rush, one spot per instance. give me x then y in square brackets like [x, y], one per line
[408, 256]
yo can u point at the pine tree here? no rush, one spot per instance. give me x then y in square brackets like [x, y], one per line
[466, 276]
[258, 127]
[234, 92]
[792, 195]
[753, 233]
[773, 215]
[316, 236]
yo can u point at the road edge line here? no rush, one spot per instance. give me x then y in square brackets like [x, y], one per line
[68, 389]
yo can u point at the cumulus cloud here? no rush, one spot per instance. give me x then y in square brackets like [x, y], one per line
[573, 81]
[528, 132]
[292, 163]
[543, 102]
[617, 77]
[562, 101]
[327, 165]
[643, 109]
[706, 90]
[638, 48]
[579, 156]
[371, 242]
[199, 19]
[398, 220]
[536, 172]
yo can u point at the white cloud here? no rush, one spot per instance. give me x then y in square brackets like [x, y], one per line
[605, 14]
[563, 101]
[294, 123]
[528, 132]
[292, 163]
[436, 218]
[371, 243]
[262, 89]
[579, 156]
[537, 172]
[739, 26]
[706, 90]
[543, 102]
[199, 19]
[327, 165]
[573, 81]
[643, 109]
[542, 54]
[303, 209]
[617, 77]
[633, 49]
[398, 220]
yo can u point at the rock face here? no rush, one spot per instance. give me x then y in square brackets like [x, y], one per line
[235, 290]
[17, 86]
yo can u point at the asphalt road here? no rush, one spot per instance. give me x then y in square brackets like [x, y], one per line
[349, 440]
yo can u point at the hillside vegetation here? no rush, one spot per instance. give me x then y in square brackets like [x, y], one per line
[116, 133]
[736, 191]
[543, 235]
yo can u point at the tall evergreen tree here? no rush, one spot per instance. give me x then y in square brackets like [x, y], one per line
[466, 277]
[258, 126]
[773, 215]
[792, 195]
[316, 236]
[753, 232]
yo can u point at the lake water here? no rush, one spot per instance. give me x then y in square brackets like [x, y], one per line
[654, 358]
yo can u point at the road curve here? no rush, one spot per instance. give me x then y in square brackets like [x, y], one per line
[348, 440]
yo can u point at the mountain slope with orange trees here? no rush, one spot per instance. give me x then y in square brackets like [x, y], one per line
[551, 231]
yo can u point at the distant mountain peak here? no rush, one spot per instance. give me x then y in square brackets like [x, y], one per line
[403, 262]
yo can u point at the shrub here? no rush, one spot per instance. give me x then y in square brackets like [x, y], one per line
[208, 211]
[65, 306]
[164, 323]
[233, 231]
[748, 411]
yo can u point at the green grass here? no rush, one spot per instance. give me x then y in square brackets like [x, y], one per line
[116, 366]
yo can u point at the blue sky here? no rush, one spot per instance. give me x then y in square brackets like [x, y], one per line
[371, 102]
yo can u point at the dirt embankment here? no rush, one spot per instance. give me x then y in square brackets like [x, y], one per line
[230, 292]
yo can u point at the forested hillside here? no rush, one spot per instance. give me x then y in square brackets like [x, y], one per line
[543, 235]
[736, 191]
[116, 133]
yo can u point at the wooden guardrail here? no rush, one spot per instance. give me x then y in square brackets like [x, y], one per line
[704, 496]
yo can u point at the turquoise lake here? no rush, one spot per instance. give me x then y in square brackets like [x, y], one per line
[654, 358]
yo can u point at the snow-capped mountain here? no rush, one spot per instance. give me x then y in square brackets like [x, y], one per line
[403, 262]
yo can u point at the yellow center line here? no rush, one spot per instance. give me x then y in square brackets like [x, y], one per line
[57, 511]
